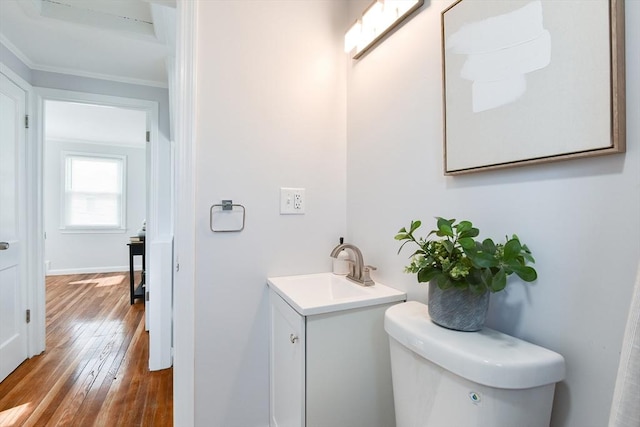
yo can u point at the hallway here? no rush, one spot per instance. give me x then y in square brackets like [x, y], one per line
[94, 371]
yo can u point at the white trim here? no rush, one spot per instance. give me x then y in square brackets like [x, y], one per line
[160, 272]
[100, 76]
[17, 52]
[90, 270]
[171, 71]
[151, 109]
[66, 156]
[135, 145]
[91, 230]
[22, 83]
[185, 278]
[97, 99]
[159, 263]
[34, 244]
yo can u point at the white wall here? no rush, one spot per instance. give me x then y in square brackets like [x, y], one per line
[270, 113]
[70, 253]
[581, 218]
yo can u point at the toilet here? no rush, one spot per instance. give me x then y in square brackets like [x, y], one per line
[445, 378]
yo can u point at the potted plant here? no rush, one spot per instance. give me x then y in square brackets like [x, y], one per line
[463, 271]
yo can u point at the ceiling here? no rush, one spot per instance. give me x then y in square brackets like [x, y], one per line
[121, 40]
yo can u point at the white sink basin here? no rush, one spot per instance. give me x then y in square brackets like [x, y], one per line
[326, 292]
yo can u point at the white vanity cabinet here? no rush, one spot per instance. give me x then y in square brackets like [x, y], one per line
[287, 368]
[330, 368]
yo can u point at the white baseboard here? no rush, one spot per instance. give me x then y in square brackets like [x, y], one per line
[89, 270]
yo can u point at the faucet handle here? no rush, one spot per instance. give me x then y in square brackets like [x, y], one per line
[366, 278]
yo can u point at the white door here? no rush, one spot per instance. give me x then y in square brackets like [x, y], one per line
[13, 325]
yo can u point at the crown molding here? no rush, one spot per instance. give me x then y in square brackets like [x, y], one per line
[17, 52]
[74, 72]
[99, 76]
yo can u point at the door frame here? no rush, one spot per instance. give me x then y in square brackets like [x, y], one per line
[34, 276]
[184, 208]
[159, 355]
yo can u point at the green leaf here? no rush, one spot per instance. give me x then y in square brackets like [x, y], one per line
[475, 277]
[445, 227]
[463, 226]
[489, 246]
[512, 249]
[471, 251]
[414, 226]
[444, 282]
[477, 289]
[486, 278]
[427, 274]
[467, 243]
[499, 281]
[526, 254]
[448, 246]
[401, 236]
[528, 274]
[483, 260]
[418, 251]
[460, 284]
[470, 233]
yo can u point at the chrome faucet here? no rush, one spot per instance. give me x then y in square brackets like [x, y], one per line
[358, 272]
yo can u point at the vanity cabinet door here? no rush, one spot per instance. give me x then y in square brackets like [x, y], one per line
[287, 365]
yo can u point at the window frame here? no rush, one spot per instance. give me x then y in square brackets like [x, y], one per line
[67, 157]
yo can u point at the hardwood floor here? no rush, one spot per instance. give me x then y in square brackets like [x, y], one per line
[94, 371]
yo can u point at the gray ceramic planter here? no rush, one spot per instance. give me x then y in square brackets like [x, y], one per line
[457, 309]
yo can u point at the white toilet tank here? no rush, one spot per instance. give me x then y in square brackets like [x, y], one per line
[445, 378]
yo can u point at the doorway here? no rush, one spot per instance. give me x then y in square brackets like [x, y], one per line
[158, 238]
[94, 186]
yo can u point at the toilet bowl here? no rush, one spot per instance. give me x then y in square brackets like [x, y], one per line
[445, 378]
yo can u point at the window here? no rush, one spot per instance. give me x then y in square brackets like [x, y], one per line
[93, 192]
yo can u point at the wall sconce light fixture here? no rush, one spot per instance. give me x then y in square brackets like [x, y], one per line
[376, 21]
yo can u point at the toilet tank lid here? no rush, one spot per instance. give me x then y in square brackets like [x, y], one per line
[485, 357]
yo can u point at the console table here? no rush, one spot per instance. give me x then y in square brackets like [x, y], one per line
[136, 248]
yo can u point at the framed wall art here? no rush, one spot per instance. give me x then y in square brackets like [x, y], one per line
[531, 81]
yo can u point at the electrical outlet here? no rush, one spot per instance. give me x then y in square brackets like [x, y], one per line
[292, 201]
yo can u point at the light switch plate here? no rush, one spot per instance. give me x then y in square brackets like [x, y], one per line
[292, 201]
